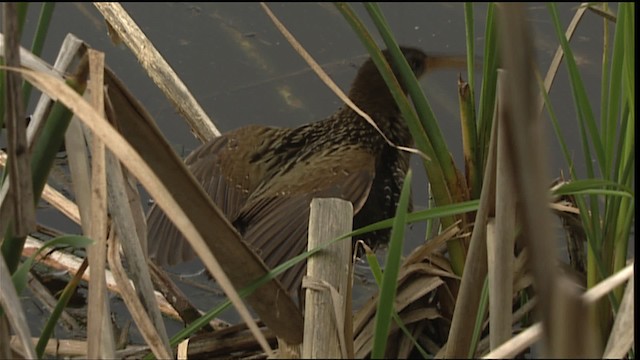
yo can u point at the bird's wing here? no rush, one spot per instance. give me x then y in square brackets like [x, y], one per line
[223, 167]
[275, 219]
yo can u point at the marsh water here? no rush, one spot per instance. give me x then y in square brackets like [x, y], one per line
[242, 71]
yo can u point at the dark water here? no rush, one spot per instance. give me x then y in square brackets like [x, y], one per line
[242, 71]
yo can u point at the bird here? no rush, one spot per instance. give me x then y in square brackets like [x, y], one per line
[263, 178]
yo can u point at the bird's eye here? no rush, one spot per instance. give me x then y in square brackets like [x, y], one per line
[416, 65]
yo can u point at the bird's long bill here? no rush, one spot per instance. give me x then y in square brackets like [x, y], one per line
[437, 62]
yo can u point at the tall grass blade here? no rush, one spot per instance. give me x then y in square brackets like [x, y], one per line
[487, 101]
[372, 260]
[49, 327]
[390, 277]
[581, 101]
[483, 304]
[46, 13]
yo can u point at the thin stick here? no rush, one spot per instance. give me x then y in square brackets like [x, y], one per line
[158, 69]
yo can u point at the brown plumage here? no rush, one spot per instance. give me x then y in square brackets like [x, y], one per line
[263, 178]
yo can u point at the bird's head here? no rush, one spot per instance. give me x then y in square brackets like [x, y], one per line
[369, 89]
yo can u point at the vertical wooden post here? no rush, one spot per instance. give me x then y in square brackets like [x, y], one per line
[327, 280]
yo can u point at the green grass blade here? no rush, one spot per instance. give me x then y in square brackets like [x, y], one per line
[581, 101]
[482, 310]
[556, 127]
[388, 289]
[622, 209]
[612, 89]
[20, 281]
[372, 260]
[422, 215]
[590, 137]
[23, 8]
[42, 159]
[629, 10]
[580, 202]
[20, 276]
[46, 13]
[49, 327]
[606, 199]
[577, 186]
[487, 100]
[624, 194]
[470, 39]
